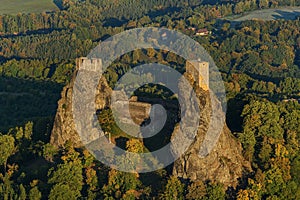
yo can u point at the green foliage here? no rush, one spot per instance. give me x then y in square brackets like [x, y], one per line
[61, 191]
[135, 146]
[272, 155]
[7, 189]
[63, 73]
[119, 184]
[215, 192]
[22, 193]
[262, 120]
[259, 60]
[67, 176]
[174, 189]
[290, 85]
[27, 100]
[7, 144]
[35, 194]
[28, 130]
[295, 168]
[49, 151]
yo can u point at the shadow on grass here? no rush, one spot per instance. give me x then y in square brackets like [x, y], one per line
[286, 15]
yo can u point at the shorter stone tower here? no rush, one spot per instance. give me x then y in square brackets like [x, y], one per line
[199, 71]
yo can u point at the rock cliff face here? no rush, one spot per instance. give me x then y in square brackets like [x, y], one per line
[224, 164]
[64, 128]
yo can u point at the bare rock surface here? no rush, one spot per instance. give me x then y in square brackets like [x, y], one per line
[64, 127]
[223, 164]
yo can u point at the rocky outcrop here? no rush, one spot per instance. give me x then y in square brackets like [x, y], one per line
[224, 163]
[64, 127]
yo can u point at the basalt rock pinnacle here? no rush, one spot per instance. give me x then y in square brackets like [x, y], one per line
[224, 163]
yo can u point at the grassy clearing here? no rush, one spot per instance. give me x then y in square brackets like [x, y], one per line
[26, 6]
[288, 13]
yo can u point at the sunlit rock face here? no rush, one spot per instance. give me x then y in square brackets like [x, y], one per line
[64, 127]
[224, 164]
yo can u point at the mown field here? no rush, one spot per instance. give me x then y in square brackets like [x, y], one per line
[288, 13]
[26, 6]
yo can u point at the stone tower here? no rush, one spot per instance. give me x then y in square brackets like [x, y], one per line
[93, 64]
[225, 163]
[199, 71]
[64, 127]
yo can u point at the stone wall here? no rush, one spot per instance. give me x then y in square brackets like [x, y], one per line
[93, 64]
[138, 111]
[200, 73]
[64, 127]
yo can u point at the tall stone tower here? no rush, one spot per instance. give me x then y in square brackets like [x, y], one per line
[199, 71]
[64, 127]
[93, 64]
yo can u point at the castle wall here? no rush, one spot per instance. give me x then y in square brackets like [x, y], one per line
[200, 72]
[139, 111]
[93, 64]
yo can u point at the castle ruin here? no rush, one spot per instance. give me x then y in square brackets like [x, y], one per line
[199, 71]
[225, 164]
[139, 111]
[93, 64]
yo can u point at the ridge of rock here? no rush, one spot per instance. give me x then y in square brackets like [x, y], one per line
[224, 164]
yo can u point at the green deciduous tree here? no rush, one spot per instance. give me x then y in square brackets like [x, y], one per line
[215, 192]
[68, 175]
[174, 189]
[35, 194]
[22, 192]
[61, 191]
[119, 183]
[7, 144]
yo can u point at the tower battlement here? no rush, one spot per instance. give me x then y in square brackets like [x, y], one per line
[199, 70]
[85, 63]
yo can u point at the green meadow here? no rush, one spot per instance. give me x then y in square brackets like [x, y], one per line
[287, 13]
[26, 6]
